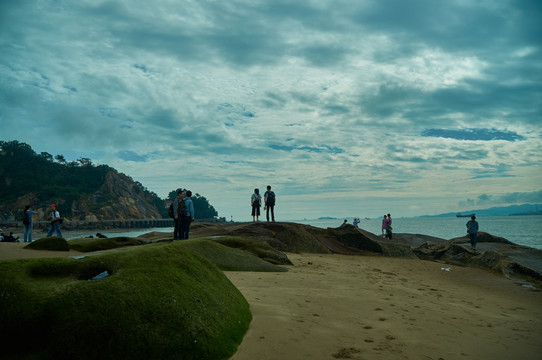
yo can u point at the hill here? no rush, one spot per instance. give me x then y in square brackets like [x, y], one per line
[81, 189]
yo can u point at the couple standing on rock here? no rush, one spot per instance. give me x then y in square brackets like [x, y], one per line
[183, 214]
[268, 205]
[386, 226]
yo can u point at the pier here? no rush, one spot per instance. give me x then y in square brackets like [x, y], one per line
[96, 224]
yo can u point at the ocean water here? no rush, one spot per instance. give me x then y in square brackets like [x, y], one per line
[522, 230]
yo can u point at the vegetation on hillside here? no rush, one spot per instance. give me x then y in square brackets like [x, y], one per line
[52, 178]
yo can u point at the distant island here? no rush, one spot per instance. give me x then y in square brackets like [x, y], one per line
[512, 210]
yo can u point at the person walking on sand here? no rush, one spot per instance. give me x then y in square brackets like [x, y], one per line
[28, 224]
[55, 222]
[187, 214]
[256, 203]
[384, 225]
[177, 218]
[472, 230]
[269, 203]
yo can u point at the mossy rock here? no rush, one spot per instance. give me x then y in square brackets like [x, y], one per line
[259, 248]
[159, 302]
[98, 244]
[227, 258]
[51, 243]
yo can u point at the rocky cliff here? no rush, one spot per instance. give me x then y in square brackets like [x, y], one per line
[120, 197]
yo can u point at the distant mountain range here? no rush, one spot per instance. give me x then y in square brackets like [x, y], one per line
[525, 209]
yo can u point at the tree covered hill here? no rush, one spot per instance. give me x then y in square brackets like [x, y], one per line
[83, 190]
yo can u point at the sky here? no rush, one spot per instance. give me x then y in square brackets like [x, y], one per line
[346, 108]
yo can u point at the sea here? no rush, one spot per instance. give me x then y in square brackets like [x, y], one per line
[521, 230]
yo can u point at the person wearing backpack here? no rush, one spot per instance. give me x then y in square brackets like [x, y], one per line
[55, 222]
[27, 223]
[256, 203]
[269, 203]
[177, 219]
[186, 210]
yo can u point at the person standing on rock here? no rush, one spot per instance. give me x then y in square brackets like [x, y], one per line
[472, 230]
[187, 214]
[384, 225]
[256, 203]
[55, 222]
[177, 219]
[269, 203]
[27, 223]
[389, 229]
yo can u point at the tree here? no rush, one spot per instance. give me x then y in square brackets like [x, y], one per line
[202, 208]
[46, 156]
[60, 159]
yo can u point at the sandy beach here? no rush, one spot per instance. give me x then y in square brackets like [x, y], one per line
[354, 307]
[350, 307]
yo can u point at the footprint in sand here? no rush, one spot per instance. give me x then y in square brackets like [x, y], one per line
[345, 353]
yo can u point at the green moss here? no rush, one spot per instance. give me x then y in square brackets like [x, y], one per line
[52, 243]
[259, 248]
[98, 244]
[160, 302]
[228, 258]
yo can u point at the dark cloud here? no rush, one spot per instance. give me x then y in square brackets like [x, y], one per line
[314, 149]
[473, 134]
[128, 155]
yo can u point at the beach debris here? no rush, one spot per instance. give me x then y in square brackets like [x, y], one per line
[100, 276]
[445, 269]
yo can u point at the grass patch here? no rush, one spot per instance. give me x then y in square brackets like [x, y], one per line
[160, 302]
[98, 244]
[227, 258]
[51, 243]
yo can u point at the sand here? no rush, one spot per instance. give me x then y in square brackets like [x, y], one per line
[351, 307]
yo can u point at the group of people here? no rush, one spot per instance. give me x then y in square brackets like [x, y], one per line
[8, 238]
[28, 224]
[183, 215]
[268, 204]
[386, 226]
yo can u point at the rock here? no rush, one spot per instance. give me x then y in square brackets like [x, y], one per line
[493, 253]
[52, 243]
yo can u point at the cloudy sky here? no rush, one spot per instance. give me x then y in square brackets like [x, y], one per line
[344, 107]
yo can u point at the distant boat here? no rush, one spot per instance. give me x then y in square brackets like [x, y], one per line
[464, 215]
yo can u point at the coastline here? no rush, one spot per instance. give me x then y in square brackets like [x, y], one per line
[372, 307]
[369, 306]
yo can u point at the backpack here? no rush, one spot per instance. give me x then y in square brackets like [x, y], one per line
[270, 199]
[170, 212]
[182, 208]
[26, 218]
[60, 221]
